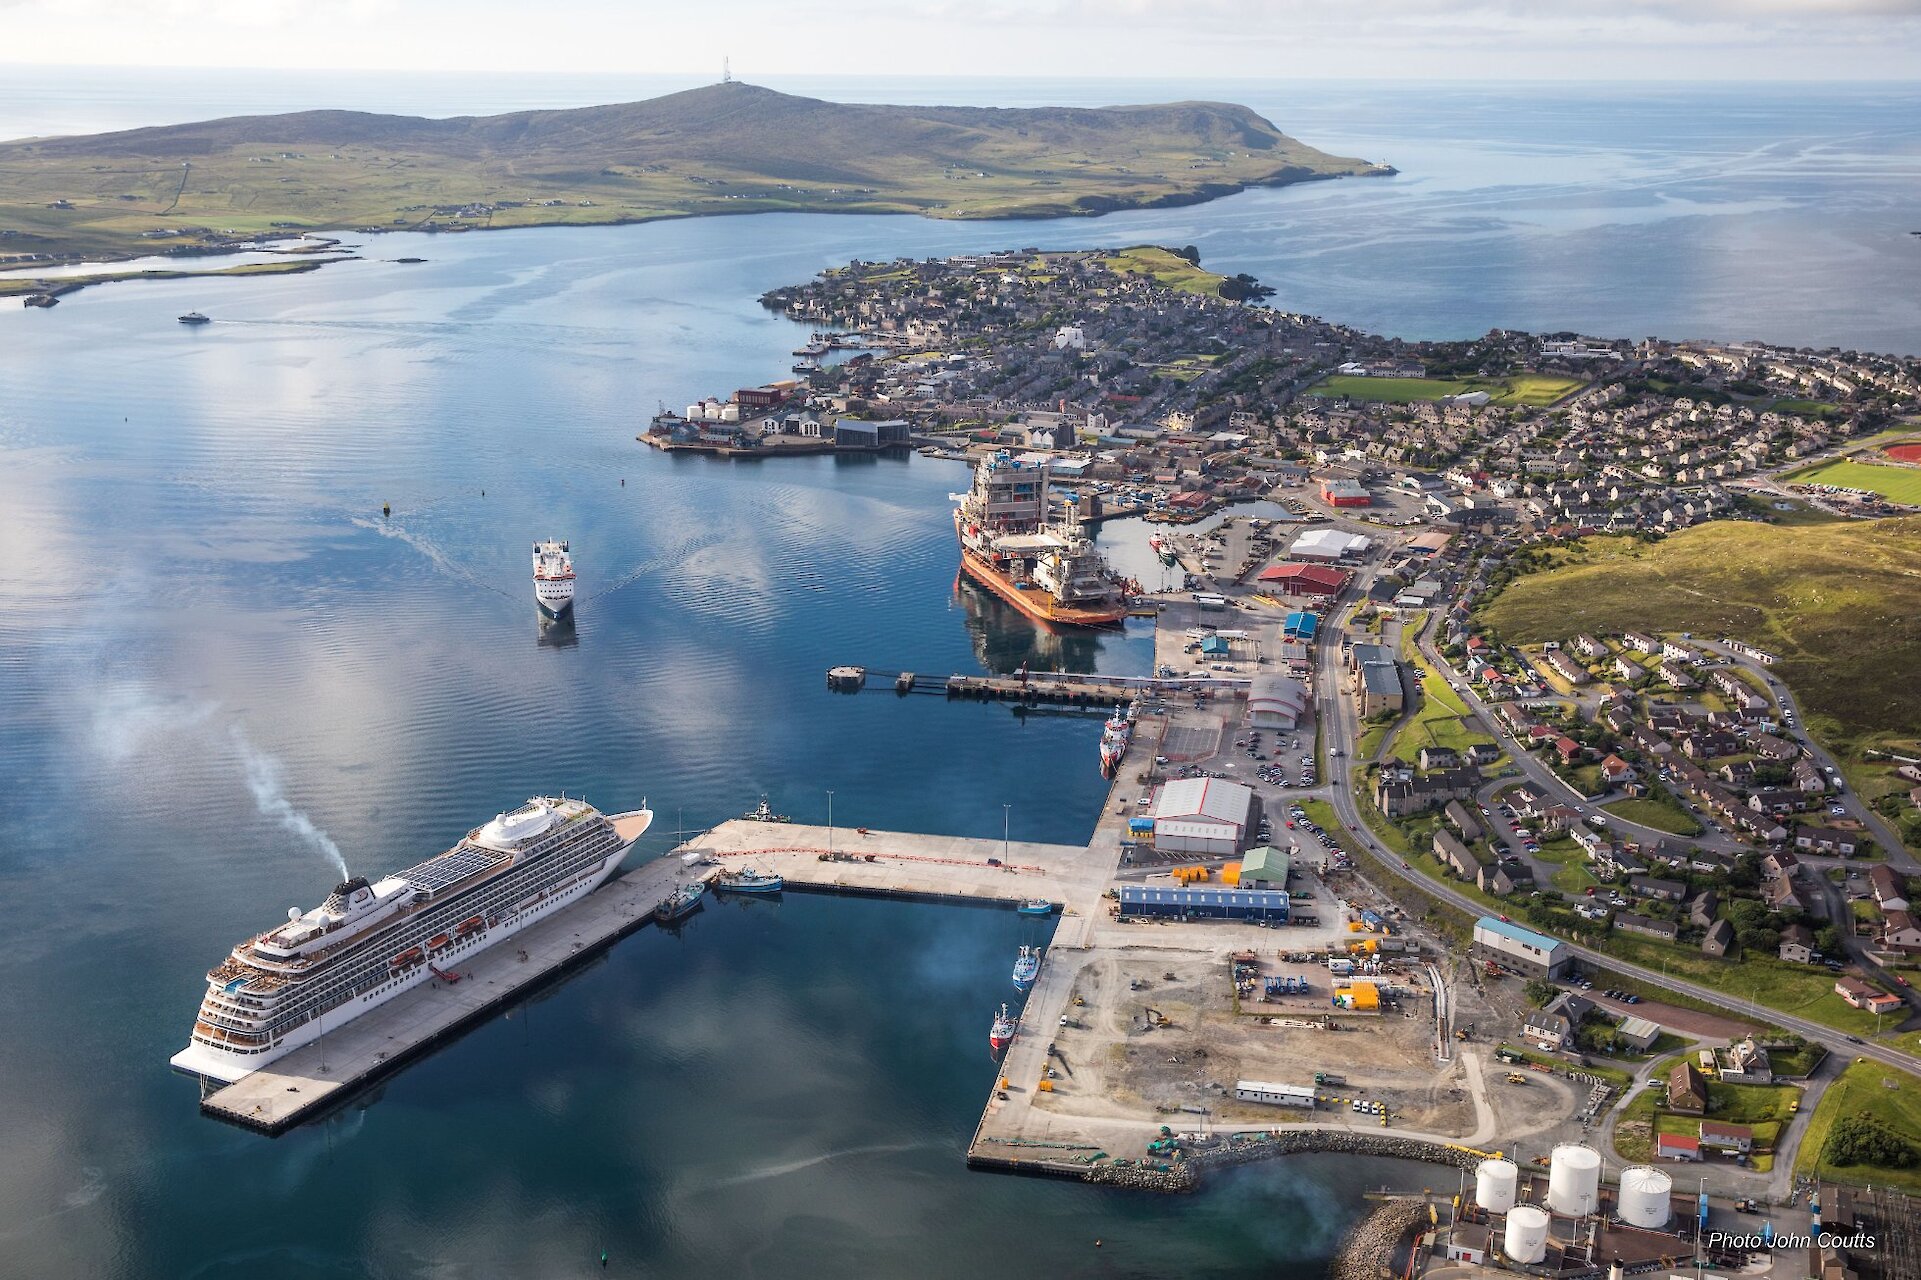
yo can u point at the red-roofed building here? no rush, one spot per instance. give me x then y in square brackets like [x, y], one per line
[1677, 1146]
[1568, 749]
[1305, 579]
[1188, 500]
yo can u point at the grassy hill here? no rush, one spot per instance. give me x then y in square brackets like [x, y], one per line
[724, 148]
[1838, 604]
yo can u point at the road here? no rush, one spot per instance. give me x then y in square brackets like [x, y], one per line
[1339, 734]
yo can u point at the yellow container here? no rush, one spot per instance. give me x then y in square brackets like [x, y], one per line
[1230, 873]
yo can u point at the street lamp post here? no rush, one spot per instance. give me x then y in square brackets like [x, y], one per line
[830, 821]
[1007, 818]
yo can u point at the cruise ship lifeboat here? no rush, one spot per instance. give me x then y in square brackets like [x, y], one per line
[408, 958]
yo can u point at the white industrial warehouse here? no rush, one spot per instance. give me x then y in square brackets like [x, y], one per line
[1328, 545]
[1209, 817]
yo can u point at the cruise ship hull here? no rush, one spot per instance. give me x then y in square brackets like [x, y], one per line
[205, 1060]
[1033, 601]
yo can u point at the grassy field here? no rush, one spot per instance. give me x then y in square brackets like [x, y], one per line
[1893, 1097]
[1805, 408]
[1840, 605]
[1164, 268]
[1772, 984]
[1662, 815]
[1902, 484]
[1533, 389]
[722, 148]
[1441, 720]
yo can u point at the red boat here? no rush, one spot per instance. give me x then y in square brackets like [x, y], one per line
[1001, 1034]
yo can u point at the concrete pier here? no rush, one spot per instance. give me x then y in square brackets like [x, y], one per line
[327, 1071]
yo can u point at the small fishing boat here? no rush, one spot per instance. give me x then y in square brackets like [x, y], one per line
[761, 813]
[682, 903]
[1001, 1034]
[1027, 967]
[194, 317]
[748, 881]
[1037, 907]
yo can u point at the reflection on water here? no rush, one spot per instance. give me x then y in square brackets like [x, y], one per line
[1006, 640]
[557, 633]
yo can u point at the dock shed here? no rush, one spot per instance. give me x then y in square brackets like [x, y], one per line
[1278, 1095]
[1205, 816]
[1264, 868]
[1204, 904]
[1276, 702]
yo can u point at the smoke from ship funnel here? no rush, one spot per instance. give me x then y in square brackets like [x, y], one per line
[263, 780]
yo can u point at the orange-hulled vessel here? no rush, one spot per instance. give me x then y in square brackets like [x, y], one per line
[1047, 569]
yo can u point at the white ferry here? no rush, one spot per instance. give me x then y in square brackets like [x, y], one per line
[553, 577]
[368, 942]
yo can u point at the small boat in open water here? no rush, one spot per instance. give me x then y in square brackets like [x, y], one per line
[1027, 967]
[682, 903]
[748, 881]
[1002, 1032]
[194, 317]
[1037, 907]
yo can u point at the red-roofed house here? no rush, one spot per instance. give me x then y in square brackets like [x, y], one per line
[1568, 749]
[1305, 579]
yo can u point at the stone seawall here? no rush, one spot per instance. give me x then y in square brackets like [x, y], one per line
[1185, 1175]
[1369, 1250]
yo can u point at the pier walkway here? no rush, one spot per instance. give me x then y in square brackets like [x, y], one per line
[295, 1087]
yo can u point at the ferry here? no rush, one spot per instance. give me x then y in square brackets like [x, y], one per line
[370, 941]
[1047, 569]
[680, 904]
[749, 881]
[194, 317]
[1036, 907]
[1027, 966]
[1001, 1034]
[553, 578]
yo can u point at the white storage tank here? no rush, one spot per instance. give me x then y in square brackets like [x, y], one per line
[1574, 1180]
[693, 413]
[1526, 1238]
[1647, 1197]
[1494, 1185]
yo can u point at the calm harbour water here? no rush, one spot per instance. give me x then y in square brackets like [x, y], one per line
[209, 637]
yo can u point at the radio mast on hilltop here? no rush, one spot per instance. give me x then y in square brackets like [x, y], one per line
[726, 72]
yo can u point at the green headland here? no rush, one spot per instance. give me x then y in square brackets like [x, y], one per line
[724, 148]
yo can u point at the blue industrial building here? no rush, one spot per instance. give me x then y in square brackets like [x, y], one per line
[1300, 625]
[1204, 904]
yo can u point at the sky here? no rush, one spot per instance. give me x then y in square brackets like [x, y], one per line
[1729, 40]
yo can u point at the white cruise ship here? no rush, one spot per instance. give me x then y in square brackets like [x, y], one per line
[367, 943]
[553, 577]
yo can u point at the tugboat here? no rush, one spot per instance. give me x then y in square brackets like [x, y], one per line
[1027, 967]
[682, 903]
[194, 317]
[1002, 1032]
[748, 881]
[761, 813]
[1037, 907]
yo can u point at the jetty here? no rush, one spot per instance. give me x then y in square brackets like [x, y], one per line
[1066, 688]
[335, 1066]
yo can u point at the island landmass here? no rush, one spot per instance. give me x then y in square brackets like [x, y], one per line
[722, 148]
